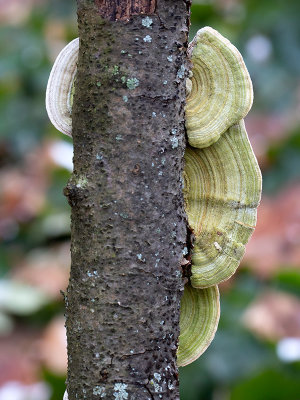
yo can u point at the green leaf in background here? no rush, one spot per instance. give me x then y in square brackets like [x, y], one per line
[268, 385]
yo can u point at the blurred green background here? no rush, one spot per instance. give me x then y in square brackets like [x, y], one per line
[256, 352]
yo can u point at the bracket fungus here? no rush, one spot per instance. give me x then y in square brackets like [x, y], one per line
[222, 192]
[222, 178]
[60, 88]
[199, 317]
[221, 92]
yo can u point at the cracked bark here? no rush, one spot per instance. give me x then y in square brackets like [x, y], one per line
[128, 223]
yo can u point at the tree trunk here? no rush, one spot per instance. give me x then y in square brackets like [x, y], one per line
[128, 224]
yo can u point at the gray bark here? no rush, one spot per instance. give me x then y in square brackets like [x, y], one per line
[128, 224]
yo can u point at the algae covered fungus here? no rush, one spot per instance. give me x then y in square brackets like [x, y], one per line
[60, 87]
[222, 192]
[221, 92]
[199, 317]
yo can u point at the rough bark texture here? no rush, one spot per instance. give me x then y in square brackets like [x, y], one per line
[128, 223]
[123, 10]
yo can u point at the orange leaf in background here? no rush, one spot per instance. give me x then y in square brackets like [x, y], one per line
[276, 239]
[273, 316]
[46, 269]
[53, 346]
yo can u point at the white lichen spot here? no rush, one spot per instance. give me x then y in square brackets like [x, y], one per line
[217, 246]
[180, 73]
[165, 82]
[92, 310]
[115, 316]
[140, 257]
[161, 323]
[132, 83]
[99, 391]
[125, 98]
[115, 70]
[137, 39]
[140, 52]
[152, 164]
[153, 114]
[99, 157]
[91, 274]
[120, 391]
[160, 173]
[147, 22]
[174, 141]
[123, 51]
[147, 39]
[156, 386]
[170, 58]
[97, 355]
[178, 275]
[156, 375]
[171, 386]
[174, 131]
[81, 182]
[119, 137]
[185, 251]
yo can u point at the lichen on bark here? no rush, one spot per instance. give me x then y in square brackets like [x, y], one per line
[128, 220]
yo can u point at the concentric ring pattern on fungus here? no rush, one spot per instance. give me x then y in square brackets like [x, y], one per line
[222, 191]
[199, 318]
[59, 93]
[221, 93]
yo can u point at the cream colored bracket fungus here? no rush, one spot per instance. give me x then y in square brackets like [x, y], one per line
[221, 92]
[222, 178]
[60, 88]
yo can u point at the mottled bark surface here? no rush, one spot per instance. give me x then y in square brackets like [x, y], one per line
[116, 9]
[128, 222]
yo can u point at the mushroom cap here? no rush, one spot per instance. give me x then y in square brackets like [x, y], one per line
[199, 318]
[60, 88]
[222, 191]
[221, 92]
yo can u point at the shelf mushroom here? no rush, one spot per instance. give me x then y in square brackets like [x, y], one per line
[221, 89]
[199, 318]
[60, 88]
[222, 192]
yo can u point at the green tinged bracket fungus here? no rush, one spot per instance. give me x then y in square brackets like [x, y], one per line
[221, 92]
[222, 178]
[222, 182]
[199, 317]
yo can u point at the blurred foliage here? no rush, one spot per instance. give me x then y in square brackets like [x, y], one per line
[241, 364]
